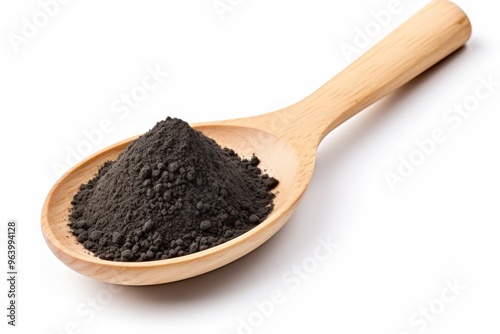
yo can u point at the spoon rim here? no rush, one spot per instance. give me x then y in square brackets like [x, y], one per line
[256, 236]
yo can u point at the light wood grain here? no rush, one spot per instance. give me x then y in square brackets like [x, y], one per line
[286, 141]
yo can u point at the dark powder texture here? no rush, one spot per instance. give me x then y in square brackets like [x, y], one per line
[171, 192]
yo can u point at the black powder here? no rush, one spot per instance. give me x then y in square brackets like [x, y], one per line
[171, 192]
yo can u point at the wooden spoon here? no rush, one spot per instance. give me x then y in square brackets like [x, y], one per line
[285, 140]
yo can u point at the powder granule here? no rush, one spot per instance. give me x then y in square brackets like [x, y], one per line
[171, 192]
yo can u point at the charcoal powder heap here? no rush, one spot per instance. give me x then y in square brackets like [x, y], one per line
[171, 192]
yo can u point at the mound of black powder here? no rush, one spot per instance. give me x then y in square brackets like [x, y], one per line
[171, 192]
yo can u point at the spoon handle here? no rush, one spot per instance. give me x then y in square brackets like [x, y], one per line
[430, 35]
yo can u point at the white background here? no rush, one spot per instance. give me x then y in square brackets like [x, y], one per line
[397, 249]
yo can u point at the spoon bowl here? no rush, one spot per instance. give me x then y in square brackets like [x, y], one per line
[65, 246]
[285, 141]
